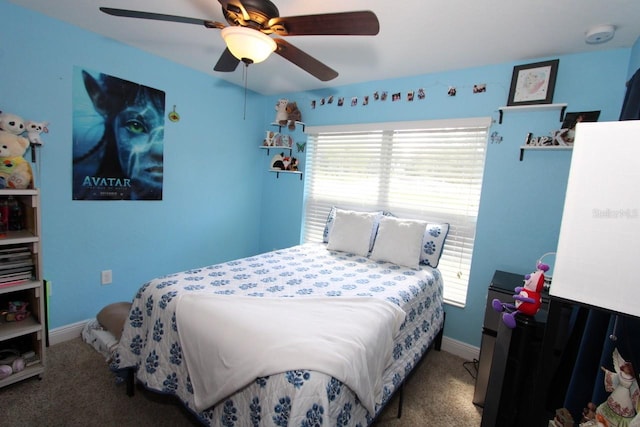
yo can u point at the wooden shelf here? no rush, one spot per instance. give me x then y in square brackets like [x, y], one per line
[536, 107]
[30, 333]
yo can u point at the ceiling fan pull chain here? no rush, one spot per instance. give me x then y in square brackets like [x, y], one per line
[245, 73]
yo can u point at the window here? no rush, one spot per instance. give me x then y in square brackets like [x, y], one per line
[429, 170]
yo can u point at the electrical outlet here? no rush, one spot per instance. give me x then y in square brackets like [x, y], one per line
[106, 277]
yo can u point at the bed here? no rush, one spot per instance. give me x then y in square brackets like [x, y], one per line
[267, 304]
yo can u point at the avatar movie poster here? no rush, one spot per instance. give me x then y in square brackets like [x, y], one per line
[118, 138]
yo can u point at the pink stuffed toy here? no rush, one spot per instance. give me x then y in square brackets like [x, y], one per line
[527, 299]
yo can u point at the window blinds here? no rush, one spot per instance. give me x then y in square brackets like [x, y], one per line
[429, 170]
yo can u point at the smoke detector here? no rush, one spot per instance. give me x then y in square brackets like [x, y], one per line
[600, 34]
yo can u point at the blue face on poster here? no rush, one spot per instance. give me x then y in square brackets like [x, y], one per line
[118, 139]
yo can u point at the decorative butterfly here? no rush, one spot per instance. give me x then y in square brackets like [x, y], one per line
[301, 146]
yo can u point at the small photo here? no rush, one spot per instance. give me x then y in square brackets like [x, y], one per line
[410, 96]
[421, 93]
[384, 95]
[330, 100]
[365, 100]
[340, 102]
[452, 91]
[354, 101]
[395, 96]
[313, 104]
[376, 95]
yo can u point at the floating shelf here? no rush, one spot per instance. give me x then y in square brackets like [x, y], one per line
[278, 172]
[275, 147]
[543, 148]
[539, 107]
[303, 124]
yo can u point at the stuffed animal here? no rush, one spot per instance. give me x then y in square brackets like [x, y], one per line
[280, 162]
[15, 171]
[34, 129]
[11, 123]
[281, 111]
[293, 115]
[293, 166]
[528, 297]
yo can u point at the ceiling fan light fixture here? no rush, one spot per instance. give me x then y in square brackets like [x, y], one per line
[248, 44]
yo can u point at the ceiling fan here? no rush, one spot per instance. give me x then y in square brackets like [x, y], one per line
[252, 21]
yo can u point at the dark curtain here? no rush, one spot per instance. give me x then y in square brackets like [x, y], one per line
[631, 103]
[590, 347]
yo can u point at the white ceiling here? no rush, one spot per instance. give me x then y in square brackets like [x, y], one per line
[416, 36]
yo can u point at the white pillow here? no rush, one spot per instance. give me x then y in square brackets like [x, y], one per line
[399, 241]
[351, 232]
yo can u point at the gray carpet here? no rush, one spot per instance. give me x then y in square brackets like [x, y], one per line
[79, 390]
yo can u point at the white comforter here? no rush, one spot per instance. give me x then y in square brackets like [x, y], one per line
[244, 338]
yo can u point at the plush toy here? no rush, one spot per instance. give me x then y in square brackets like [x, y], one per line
[34, 129]
[15, 171]
[11, 123]
[16, 312]
[279, 162]
[528, 297]
[293, 115]
[293, 166]
[281, 111]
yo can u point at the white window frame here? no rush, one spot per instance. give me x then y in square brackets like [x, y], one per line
[370, 147]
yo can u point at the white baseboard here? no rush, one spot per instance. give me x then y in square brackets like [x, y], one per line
[66, 333]
[460, 349]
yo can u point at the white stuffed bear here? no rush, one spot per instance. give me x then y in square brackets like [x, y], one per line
[11, 123]
[282, 117]
[34, 129]
[15, 171]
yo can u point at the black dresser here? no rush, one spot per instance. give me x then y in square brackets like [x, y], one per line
[508, 357]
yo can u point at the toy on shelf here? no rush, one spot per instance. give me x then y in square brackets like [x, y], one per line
[34, 129]
[293, 115]
[282, 117]
[15, 171]
[17, 311]
[527, 299]
[16, 136]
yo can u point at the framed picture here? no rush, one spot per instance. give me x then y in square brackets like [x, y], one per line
[533, 83]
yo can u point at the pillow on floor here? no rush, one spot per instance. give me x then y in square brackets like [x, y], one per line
[113, 316]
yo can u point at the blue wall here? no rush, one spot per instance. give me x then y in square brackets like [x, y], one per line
[211, 202]
[220, 202]
[522, 202]
[634, 61]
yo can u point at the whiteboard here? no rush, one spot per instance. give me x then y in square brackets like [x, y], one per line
[598, 255]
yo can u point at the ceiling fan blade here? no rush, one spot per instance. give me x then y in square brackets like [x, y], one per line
[359, 23]
[227, 62]
[160, 17]
[304, 61]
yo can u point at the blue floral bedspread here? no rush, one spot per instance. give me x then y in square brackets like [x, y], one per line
[301, 398]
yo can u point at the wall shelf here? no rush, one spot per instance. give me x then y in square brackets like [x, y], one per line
[303, 124]
[536, 107]
[275, 147]
[543, 148]
[278, 172]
